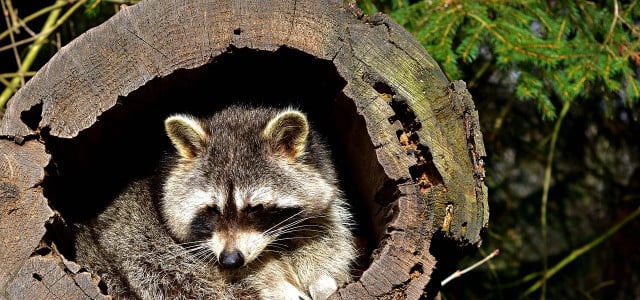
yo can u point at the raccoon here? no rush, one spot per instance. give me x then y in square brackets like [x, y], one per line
[248, 206]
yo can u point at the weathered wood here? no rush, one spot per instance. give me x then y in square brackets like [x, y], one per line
[23, 208]
[410, 138]
[52, 277]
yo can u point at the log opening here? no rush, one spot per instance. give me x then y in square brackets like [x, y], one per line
[128, 141]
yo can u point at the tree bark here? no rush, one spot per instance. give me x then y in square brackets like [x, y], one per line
[410, 139]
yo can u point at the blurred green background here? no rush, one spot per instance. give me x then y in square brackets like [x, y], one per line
[556, 84]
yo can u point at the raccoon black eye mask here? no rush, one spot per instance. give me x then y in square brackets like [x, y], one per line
[247, 206]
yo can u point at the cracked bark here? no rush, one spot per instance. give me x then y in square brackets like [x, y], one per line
[410, 138]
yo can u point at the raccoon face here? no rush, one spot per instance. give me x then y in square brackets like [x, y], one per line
[238, 234]
[245, 181]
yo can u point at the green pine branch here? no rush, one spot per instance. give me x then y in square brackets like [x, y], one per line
[558, 50]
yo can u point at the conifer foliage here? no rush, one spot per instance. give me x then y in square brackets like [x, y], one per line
[563, 49]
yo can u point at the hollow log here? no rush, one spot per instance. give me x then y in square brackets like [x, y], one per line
[406, 141]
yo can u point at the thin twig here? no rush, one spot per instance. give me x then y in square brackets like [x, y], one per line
[127, 2]
[26, 27]
[54, 20]
[5, 83]
[616, 15]
[34, 16]
[11, 75]
[51, 29]
[459, 273]
[545, 190]
[580, 251]
[12, 14]
[10, 19]
[499, 121]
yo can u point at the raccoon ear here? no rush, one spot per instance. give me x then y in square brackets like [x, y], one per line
[287, 133]
[186, 134]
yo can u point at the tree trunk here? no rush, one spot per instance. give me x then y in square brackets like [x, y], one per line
[406, 141]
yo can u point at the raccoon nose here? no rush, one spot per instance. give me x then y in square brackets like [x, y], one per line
[232, 259]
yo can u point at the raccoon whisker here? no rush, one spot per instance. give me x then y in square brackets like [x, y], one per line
[196, 257]
[177, 251]
[274, 227]
[278, 246]
[259, 262]
[200, 245]
[274, 231]
[205, 256]
[294, 238]
[309, 228]
[276, 251]
[191, 243]
[302, 226]
[196, 251]
[286, 238]
[184, 253]
[310, 233]
[181, 251]
[272, 251]
[201, 253]
[297, 222]
[286, 228]
[211, 258]
[274, 243]
[191, 253]
[195, 245]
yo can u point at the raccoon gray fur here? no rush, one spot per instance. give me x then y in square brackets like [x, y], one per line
[247, 207]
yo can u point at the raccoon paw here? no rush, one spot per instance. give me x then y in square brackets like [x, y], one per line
[322, 288]
[301, 296]
[284, 292]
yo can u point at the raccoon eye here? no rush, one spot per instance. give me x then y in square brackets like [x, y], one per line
[252, 209]
[213, 209]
